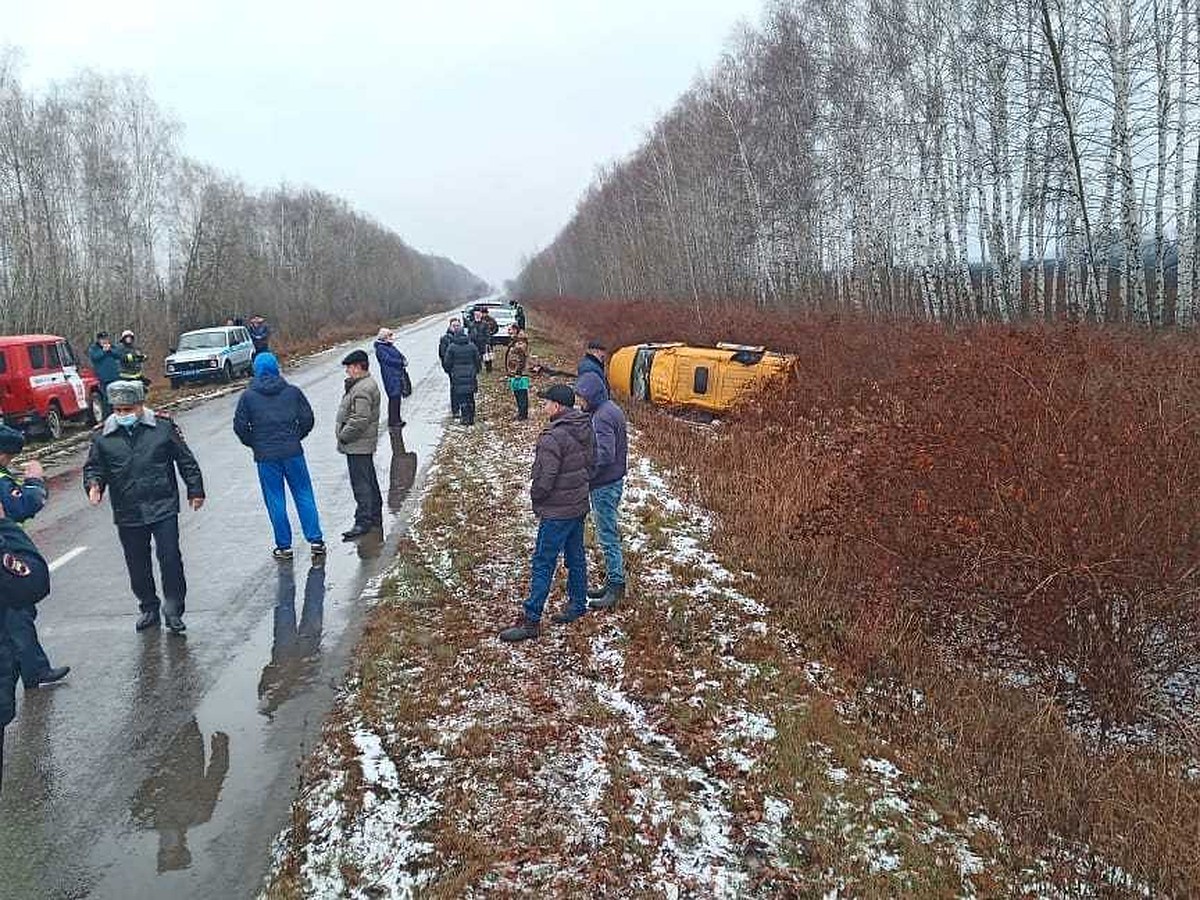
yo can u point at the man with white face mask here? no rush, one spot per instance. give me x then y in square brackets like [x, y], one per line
[134, 458]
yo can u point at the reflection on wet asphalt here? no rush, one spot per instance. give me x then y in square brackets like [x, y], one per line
[166, 765]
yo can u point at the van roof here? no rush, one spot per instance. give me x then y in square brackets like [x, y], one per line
[211, 328]
[28, 338]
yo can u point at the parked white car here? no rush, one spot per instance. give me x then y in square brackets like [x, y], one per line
[211, 354]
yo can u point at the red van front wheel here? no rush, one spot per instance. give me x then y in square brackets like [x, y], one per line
[54, 422]
[95, 409]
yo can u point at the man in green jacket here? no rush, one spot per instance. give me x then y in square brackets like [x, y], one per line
[357, 436]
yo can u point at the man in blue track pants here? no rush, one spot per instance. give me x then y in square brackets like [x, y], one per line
[272, 418]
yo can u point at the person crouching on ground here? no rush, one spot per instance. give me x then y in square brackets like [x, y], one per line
[515, 359]
[133, 457]
[463, 363]
[357, 438]
[22, 498]
[272, 418]
[562, 464]
[606, 484]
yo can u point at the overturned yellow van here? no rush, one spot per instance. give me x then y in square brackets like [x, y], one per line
[707, 378]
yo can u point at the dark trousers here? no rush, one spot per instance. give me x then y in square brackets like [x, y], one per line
[522, 404]
[394, 420]
[464, 402]
[453, 401]
[31, 658]
[105, 405]
[368, 500]
[135, 540]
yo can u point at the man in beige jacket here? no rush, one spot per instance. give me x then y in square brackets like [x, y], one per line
[357, 435]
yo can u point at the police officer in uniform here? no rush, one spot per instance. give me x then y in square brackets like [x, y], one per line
[22, 499]
[24, 580]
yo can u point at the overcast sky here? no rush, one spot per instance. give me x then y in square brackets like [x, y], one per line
[471, 128]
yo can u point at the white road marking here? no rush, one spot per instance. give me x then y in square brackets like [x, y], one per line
[67, 557]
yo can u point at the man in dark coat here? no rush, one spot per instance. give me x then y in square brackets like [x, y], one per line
[443, 345]
[462, 363]
[24, 580]
[272, 418]
[482, 328]
[260, 335]
[606, 485]
[106, 363]
[134, 458]
[562, 465]
[393, 369]
[22, 497]
[131, 358]
[357, 429]
[593, 360]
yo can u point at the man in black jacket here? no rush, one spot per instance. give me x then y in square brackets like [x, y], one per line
[134, 457]
[444, 345]
[462, 363]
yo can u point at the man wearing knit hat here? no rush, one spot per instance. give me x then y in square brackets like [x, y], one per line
[272, 418]
[134, 459]
[21, 498]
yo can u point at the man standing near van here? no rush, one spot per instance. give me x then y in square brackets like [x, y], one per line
[106, 363]
[21, 499]
[357, 437]
[131, 358]
[260, 335]
[134, 458]
[593, 360]
[606, 485]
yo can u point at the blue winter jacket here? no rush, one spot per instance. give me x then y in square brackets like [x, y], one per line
[260, 336]
[391, 364]
[590, 363]
[105, 363]
[22, 499]
[609, 427]
[272, 416]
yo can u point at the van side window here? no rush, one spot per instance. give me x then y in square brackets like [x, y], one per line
[3, 363]
[700, 380]
[52, 357]
[67, 353]
[37, 356]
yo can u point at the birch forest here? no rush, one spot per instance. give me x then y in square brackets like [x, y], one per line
[938, 159]
[105, 224]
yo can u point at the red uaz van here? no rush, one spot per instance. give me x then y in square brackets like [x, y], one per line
[42, 385]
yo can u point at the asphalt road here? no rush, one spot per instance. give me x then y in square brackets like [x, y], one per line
[164, 766]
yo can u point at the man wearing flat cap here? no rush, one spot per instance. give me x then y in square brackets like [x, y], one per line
[562, 465]
[22, 497]
[357, 436]
[134, 458]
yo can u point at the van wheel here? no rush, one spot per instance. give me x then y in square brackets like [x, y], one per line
[54, 422]
[95, 409]
[227, 372]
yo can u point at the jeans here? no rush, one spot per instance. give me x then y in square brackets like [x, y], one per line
[135, 540]
[557, 536]
[31, 658]
[522, 404]
[368, 511]
[272, 474]
[606, 501]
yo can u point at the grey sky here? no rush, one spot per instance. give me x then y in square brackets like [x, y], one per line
[471, 128]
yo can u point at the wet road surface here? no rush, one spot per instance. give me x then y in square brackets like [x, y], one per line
[164, 766]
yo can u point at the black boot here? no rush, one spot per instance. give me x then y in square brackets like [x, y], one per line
[597, 592]
[523, 630]
[148, 619]
[611, 599]
[175, 625]
[50, 676]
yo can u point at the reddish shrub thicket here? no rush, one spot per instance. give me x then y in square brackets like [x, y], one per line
[1038, 479]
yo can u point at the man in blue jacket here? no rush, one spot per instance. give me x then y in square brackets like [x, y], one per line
[260, 335]
[593, 360]
[393, 368]
[106, 363]
[272, 418]
[606, 484]
[22, 498]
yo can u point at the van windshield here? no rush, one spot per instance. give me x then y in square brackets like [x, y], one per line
[203, 340]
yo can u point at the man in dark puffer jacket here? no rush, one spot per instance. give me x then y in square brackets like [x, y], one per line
[272, 418]
[462, 363]
[562, 466]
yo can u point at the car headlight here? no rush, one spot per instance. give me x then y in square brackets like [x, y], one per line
[170, 367]
[212, 362]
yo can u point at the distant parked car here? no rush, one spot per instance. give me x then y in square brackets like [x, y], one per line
[42, 385]
[211, 354]
[501, 312]
[707, 378]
